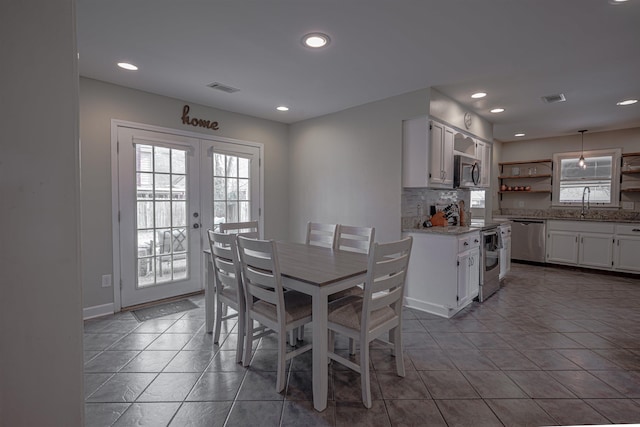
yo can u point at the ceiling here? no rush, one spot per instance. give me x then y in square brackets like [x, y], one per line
[516, 51]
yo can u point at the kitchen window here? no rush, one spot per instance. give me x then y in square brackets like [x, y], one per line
[600, 174]
[477, 199]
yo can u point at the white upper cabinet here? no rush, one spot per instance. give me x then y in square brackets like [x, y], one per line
[483, 153]
[427, 156]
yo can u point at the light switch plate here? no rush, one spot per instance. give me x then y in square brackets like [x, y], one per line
[106, 280]
[627, 205]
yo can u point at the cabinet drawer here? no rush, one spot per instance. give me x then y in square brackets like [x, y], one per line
[628, 229]
[468, 241]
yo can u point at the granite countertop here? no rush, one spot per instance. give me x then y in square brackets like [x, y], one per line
[593, 214]
[476, 225]
[454, 230]
[564, 218]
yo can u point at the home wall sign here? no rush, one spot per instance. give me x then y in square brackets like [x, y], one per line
[186, 120]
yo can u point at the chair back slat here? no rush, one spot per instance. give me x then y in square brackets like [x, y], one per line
[266, 294]
[224, 254]
[355, 239]
[262, 280]
[319, 234]
[248, 228]
[383, 299]
[258, 260]
[387, 283]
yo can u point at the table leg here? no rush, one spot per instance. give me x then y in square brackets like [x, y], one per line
[209, 295]
[320, 366]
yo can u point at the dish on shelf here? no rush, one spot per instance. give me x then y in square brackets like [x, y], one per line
[504, 188]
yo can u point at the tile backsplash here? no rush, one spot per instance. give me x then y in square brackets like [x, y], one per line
[416, 203]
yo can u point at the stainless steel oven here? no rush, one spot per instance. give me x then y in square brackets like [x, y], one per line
[489, 263]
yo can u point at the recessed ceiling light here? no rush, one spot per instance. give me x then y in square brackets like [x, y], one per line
[478, 95]
[315, 40]
[497, 110]
[282, 108]
[127, 66]
[616, 1]
[627, 102]
[519, 134]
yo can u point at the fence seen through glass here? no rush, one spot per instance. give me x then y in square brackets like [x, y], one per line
[231, 189]
[161, 215]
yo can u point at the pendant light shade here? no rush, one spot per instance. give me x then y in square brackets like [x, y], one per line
[581, 161]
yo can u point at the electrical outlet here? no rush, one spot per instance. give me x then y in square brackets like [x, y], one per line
[627, 205]
[521, 203]
[106, 280]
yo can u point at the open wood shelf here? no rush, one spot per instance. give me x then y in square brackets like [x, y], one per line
[630, 190]
[524, 191]
[540, 178]
[525, 162]
[526, 176]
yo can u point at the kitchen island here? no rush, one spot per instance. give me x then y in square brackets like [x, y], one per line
[444, 270]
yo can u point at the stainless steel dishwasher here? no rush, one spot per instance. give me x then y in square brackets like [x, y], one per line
[528, 240]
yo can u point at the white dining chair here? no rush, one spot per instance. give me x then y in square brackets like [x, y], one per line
[377, 313]
[267, 303]
[247, 228]
[354, 239]
[319, 234]
[228, 287]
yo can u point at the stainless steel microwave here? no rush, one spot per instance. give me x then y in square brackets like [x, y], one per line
[466, 172]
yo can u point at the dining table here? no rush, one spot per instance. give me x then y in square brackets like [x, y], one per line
[318, 272]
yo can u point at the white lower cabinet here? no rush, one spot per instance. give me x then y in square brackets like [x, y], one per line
[626, 249]
[444, 272]
[468, 276]
[596, 250]
[562, 246]
[601, 245]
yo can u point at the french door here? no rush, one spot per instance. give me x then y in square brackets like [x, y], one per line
[171, 189]
[230, 185]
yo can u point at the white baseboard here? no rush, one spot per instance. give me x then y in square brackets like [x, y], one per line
[438, 310]
[97, 311]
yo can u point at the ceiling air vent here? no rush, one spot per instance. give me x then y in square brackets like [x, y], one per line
[223, 88]
[552, 99]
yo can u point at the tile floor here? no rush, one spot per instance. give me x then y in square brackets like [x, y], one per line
[552, 347]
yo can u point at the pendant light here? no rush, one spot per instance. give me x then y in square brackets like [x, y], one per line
[581, 162]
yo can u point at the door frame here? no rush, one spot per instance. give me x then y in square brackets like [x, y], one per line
[115, 196]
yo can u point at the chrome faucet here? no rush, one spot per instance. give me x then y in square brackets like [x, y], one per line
[584, 211]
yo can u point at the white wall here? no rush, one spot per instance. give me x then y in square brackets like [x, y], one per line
[626, 139]
[99, 103]
[451, 112]
[347, 167]
[40, 296]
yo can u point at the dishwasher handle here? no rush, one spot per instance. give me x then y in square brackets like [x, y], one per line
[528, 221]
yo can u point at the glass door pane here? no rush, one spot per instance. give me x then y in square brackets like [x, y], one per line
[231, 188]
[161, 223]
